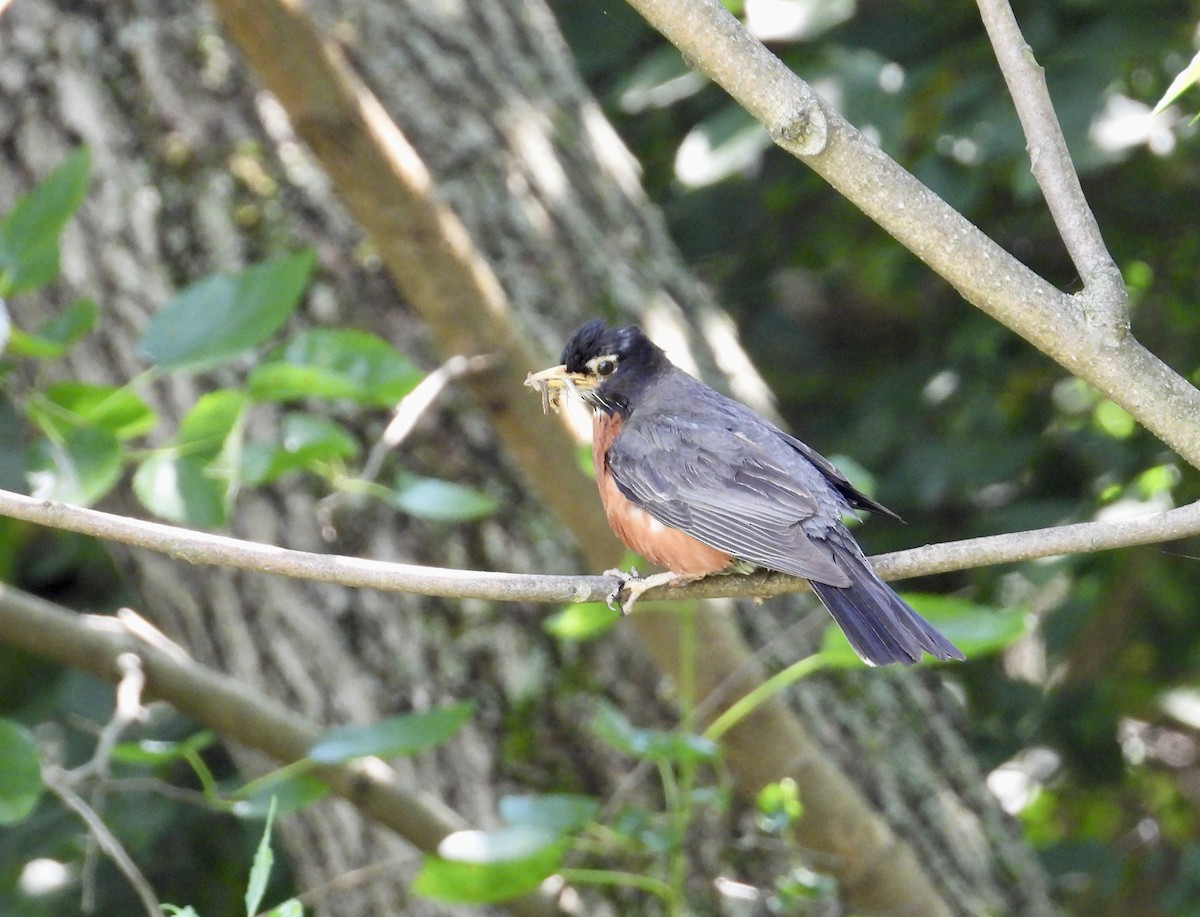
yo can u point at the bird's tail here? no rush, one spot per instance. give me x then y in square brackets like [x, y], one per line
[879, 624]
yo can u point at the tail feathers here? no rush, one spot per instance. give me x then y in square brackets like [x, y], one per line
[880, 626]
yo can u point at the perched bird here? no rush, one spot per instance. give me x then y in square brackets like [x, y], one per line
[700, 484]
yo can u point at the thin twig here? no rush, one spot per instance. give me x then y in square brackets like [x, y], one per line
[408, 412]
[413, 405]
[58, 782]
[1051, 163]
[220, 550]
[128, 710]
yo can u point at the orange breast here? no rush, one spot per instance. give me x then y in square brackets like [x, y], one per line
[641, 532]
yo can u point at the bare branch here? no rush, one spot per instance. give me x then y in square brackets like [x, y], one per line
[236, 711]
[206, 548]
[1051, 163]
[128, 710]
[220, 550]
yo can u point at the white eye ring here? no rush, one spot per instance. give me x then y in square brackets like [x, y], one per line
[606, 367]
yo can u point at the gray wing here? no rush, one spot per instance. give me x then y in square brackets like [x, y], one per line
[733, 483]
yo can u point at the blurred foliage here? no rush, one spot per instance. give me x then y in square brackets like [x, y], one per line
[76, 438]
[1090, 723]
[967, 429]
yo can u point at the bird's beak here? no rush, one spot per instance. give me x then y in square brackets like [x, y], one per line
[557, 377]
[553, 381]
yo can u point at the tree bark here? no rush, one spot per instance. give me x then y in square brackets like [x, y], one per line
[485, 92]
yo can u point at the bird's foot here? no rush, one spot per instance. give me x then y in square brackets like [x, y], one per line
[623, 579]
[632, 585]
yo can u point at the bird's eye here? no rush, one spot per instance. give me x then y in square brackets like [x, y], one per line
[606, 367]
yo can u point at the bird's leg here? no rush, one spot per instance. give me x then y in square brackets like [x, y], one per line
[632, 585]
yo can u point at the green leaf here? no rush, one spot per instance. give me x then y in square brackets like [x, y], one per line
[475, 867]
[181, 489]
[1113, 420]
[29, 233]
[611, 726]
[286, 382]
[221, 316]
[156, 752]
[1181, 84]
[188, 911]
[581, 622]
[54, 338]
[192, 480]
[723, 144]
[71, 324]
[975, 629]
[317, 436]
[648, 76]
[583, 458]
[260, 872]
[336, 363]
[400, 735]
[308, 441]
[561, 813]
[779, 804]
[80, 468]
[1159, 479]
[108, 407]
[290, 908]
[441, 501]
[20, 773]
[286, 792]
[835, 652]
[205, 429]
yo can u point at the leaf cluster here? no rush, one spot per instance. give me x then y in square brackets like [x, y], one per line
[80, 438]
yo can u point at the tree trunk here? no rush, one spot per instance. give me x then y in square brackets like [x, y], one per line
[187, 149]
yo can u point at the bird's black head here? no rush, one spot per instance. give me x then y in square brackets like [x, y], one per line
[611, 365]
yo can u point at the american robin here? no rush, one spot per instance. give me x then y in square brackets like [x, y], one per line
[700, 484]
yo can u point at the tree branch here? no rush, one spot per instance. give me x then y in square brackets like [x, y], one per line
[1052, 166]
[1079, 339]
[94, 644]
[357, 572]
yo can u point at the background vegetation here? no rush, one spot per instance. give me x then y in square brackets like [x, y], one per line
[1087, 725]
[966, 429]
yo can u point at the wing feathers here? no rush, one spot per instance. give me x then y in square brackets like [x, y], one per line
[713, 469]
[737, 486]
